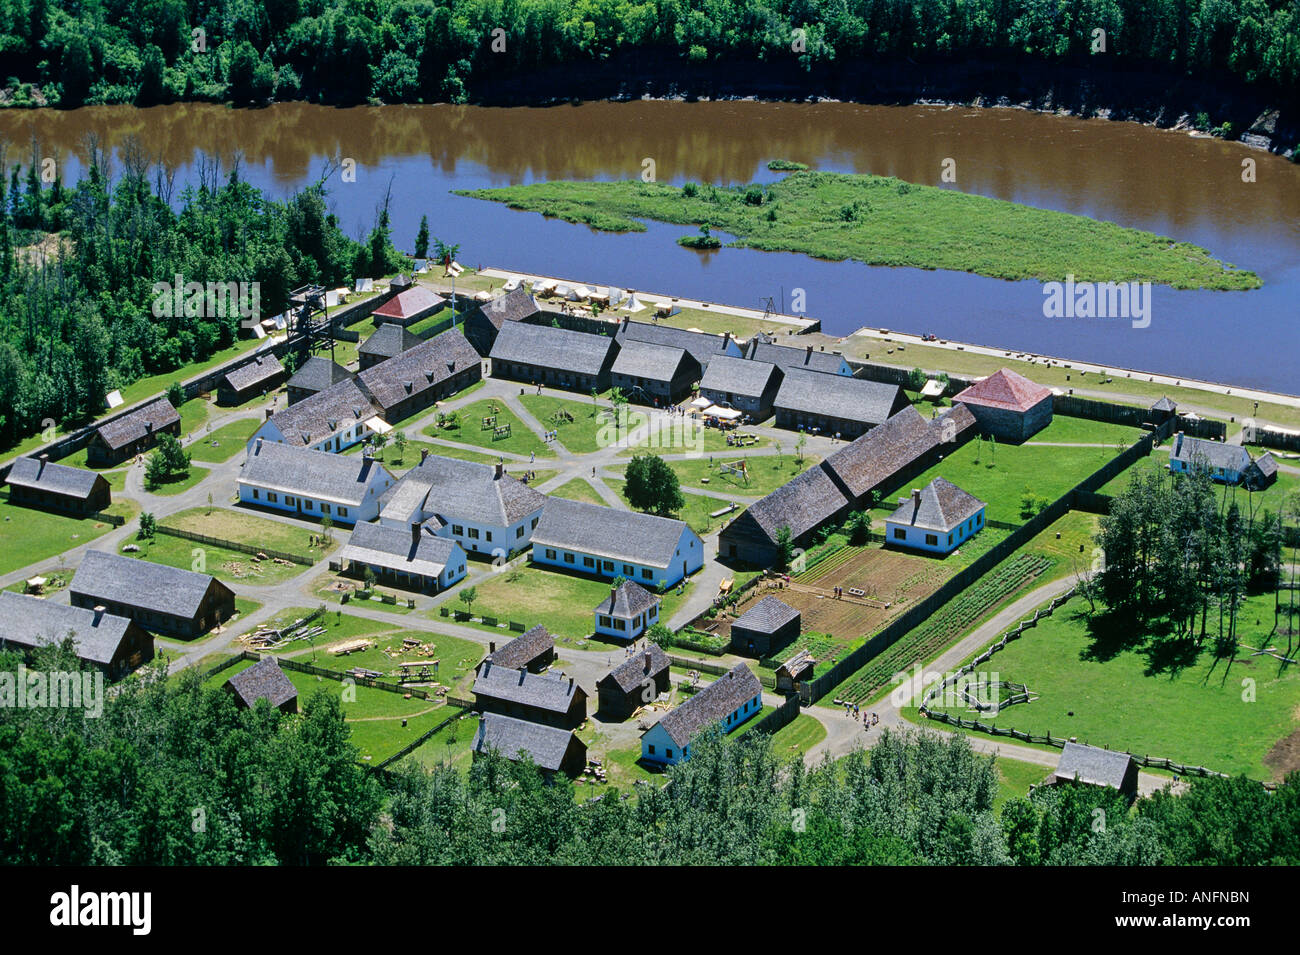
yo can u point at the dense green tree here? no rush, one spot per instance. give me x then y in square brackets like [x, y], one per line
[652, 486]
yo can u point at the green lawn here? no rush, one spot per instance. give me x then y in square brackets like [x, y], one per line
[228, 565]
[582, 435]
[193, 413]
[471, 431]
[1014, 779]
[181, 484]
[1067, 430]
[999, 476]
[450, 746]
[766, 473]
[564, 603]
[578, 490]
[28, 535]
[246, 527]
[1124, 694]
[374, 718]
[410, 456]
[698, 510]
[884, 221]
[225, 442]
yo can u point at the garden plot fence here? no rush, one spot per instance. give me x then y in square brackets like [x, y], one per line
[234, 545]
[919, 612]
[423, 738]
[287, 663]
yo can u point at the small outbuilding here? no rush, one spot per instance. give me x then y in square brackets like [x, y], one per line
[533, 651]
[35, 482]
[638, 680]
[132, 433]
[627, 612]
[765, 627]
[551, 748]
[264, 680]
[250, 380]
[798, 669]
[937, 518]
[1094, 766]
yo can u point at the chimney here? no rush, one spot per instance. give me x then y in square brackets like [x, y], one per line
[726, 339]
[415, 532]
[916, 496]
[148, 427]
[496, 471]
[269, 412]
[523, 672]
[99, 614]
[492, 647]
[44, 459]
[613, 594]
[1178, 443]
[808, 355]
[257, 448]
[647, 661]
[424, 453]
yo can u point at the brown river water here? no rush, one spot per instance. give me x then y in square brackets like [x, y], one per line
[1186, 187]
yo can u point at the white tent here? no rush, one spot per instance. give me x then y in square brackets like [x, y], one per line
[421, 265]
[581, 292]
[512, 283]
[483, 296]
[933, 388]
[113, 399]
[701, 403]
[564, 291]
[455, 268]
[633, 303]
[365, 285]
[725, 414]
[544, 286]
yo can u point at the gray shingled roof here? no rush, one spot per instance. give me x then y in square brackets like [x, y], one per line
[1200, 452]
[707, 707]
[295, 470]
[1165, 404]
[609, 533]
[548, 347]
[801, 503]
[264, 680]
[317, 374]
[543, 691]
[319, 416]
[514, 306]
[133, 426]
[699, 345]
[418, 369]
[740, 376]
[787, 358]
[767, 616]
[389, 340]
[253, 373]
[628, 599]
[1092, 764]
[142, 583]
[57, 478]
[942, 507]
[1267, 464]
[32, 622]
[465, 490]
[836, 396]
[885, 450]
[524, 649]
[638, 359]
[544, 745]
[396, 548]
[632, 672]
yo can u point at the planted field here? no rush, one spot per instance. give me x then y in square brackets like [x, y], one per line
[1133, 691]
[944, 627]
[472, 427]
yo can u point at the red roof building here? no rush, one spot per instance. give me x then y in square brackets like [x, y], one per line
[1008, 405]
[409, 307]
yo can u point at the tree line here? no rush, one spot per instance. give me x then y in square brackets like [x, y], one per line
[172, 773]
[79, 268]
[68, 52]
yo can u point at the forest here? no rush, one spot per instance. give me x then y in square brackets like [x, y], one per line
[171, 773]
[72, 52]
[78, 266]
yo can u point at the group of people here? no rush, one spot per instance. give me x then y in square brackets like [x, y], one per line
[851, 709]
[839, 592]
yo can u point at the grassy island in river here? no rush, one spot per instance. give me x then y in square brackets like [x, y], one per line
[885, 221]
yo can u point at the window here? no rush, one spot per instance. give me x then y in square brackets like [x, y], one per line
[646, 573]
[604, 622]
[608, 566]
[932, 539]
[307, 504]
[343, 512]
[949, 538]
[628, 570]
[488, 535]
[272, 497]
[550, 554]
[324, 508]
[900, 534]
[620, 624]
[588, 562]
[289, 501]
[519, 531]
[458, 530]
[652, 749]
[568, 558]
[473, 533]
[534, 522]
[668, 754]
[979, 519]
[255, 494]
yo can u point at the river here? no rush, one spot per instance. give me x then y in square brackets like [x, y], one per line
[1185, 187]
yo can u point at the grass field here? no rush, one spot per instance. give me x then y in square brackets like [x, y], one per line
[229, 565]
[883, 221]
[374, 718]
[578, 489]
[470, 430]
[698, 510]
[1120, 691]
[225, 442]
[247, 528]
[582, 434]
[565, 603]
[999, 476]
[1067, 430]
[181, 483]
[767, 472]
[1014, 779]
[28, 535]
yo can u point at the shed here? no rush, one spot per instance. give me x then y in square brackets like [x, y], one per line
[1094, 766]
[765, 627]
[264, 680]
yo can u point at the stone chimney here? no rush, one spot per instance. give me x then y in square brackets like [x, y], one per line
[808, 355]
[1178, 442]
[44, 459]
[726, 339]
[99, 614]
[148, 427]
[424, 453]
[916, 497]
[492, 646]
[415, 532]
[647, 661]
[269, 412]
[613, 595]
[497, 470]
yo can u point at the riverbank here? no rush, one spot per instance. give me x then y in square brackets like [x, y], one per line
[880, 220]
